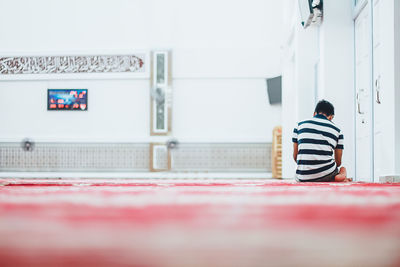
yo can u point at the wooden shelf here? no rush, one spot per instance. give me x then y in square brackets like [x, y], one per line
[277, 152]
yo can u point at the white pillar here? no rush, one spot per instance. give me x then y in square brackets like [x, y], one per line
[337, 70]
[397, 83]
[289, 113]
[306, 58]
[298, 89]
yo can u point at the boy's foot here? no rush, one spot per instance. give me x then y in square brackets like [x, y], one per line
[341, 176]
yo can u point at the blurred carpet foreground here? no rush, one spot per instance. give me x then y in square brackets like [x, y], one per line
[111, 222]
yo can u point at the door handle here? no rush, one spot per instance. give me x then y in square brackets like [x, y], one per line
[377, 97]
[377, 89]
[358, 104]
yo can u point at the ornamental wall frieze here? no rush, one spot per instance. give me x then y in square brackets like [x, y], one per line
[72, 64]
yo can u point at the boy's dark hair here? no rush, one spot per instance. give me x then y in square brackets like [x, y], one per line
[325, 107]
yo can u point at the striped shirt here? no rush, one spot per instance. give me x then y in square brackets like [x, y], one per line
[317, 139]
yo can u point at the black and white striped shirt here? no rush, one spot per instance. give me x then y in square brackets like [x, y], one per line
[317, 139]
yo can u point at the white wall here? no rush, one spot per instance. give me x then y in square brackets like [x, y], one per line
[307, 56]
[219, 48]
[337, 71]
[24, 112]
[226, 114]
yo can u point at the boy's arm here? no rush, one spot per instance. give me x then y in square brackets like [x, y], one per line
[338, 156]
[295, 144]
[339, 150]
[295, 151]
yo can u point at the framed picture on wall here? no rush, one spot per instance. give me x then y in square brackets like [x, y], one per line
[67, 99]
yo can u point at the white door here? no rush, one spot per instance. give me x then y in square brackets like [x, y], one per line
[383, 92]
[364, 160]
[379, 113]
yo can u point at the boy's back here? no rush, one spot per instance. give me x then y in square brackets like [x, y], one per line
[316, 140]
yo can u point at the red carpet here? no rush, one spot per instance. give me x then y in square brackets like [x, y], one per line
[111, 222]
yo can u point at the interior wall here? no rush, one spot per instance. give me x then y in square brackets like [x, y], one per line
[112, 111]
[219, 110]
[221, 55]
[337, 71]
[307, 57]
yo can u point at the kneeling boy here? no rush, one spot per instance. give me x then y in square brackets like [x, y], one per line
[318, 147]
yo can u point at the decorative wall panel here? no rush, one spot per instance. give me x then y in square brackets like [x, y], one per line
[75, 157]
[136, 157]
[226, 157]
[72, 64]
[159, 157]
